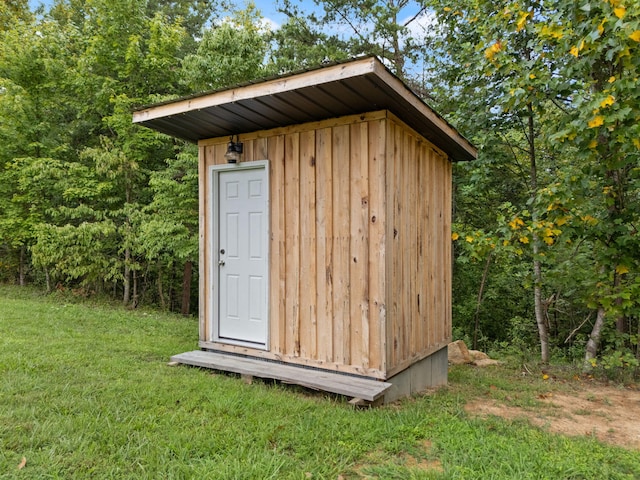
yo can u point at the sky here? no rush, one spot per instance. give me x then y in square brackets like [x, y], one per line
[266, 7]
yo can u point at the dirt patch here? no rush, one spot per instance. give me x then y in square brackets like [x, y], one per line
[415, 464]
[612, 415]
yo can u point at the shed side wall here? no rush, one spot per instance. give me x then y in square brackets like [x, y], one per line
[419, 247]
[328, 248]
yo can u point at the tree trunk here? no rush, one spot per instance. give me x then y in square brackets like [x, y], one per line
[186, 287]
[483, 282]
[21, 267]
[160, 287]
[135, 290]
[620, 320]
[543, 330]
[126, 297]
[594, 341]
[47, 277]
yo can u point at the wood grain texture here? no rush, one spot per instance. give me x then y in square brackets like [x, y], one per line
[360, 249]
[350, 386]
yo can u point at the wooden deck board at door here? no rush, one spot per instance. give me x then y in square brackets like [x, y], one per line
[357, 387]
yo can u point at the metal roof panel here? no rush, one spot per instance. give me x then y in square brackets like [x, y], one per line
[358, 86]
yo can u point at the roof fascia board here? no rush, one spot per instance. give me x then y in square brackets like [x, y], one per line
[270, 87]
[400, 88]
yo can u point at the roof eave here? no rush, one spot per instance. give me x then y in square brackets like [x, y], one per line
[227, 111]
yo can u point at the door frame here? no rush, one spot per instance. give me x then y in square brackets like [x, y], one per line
[212, 254]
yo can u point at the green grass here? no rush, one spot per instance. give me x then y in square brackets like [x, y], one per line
[85, 392]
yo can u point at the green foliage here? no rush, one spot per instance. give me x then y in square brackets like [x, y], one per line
[229, 53]
[551, 83]
[548, 91]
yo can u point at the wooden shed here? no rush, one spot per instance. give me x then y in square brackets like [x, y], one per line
[325, 249]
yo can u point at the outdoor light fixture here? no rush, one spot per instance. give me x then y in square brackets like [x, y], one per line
[234, 150]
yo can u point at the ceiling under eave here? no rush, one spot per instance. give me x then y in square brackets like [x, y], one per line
[354, 87]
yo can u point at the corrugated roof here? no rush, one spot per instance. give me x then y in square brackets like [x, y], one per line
[357, 86]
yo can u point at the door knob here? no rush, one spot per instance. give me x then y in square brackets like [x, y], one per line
[221, 262]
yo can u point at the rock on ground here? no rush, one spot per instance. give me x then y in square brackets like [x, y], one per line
[459, 354]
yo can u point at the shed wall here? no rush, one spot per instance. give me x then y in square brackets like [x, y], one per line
[352, 216]
[419, 248]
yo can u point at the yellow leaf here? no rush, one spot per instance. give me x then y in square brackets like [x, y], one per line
[455, 236]
[469, 239]
[574, 51]
[522, 20]
[621, 269]
[596, 122]
[601, 26]
[612, 79]
[593, 144]
[447, 9]
[619, 11]
[545, 377]
[636, 142]
[555, 32]
[516, 223]
[524, 240]
[505, 243]
[607, 102]
[532, 76]
[492, 50]
[548, 240]
[561, 221]
[635, 36]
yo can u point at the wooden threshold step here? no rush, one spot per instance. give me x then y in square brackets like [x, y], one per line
[350, 386]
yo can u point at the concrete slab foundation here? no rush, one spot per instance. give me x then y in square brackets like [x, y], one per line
[429, 372]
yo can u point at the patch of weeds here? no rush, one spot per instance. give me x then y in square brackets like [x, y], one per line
[581, 411]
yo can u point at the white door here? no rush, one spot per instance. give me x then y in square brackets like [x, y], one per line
[242, 258]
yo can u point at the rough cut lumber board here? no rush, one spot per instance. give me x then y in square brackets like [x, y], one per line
[357, 387]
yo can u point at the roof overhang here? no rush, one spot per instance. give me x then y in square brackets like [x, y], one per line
[354, 87]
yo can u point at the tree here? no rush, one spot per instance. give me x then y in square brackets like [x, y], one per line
[479, 42]
[229, 53]
[168, 230]
[515, 65]
[371, 27]
[603, 39]
[35, 108]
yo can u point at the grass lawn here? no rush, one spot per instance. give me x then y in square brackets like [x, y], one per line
[86, 392]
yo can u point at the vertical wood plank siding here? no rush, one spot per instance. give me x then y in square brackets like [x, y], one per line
[419, 319]
[360, 249]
